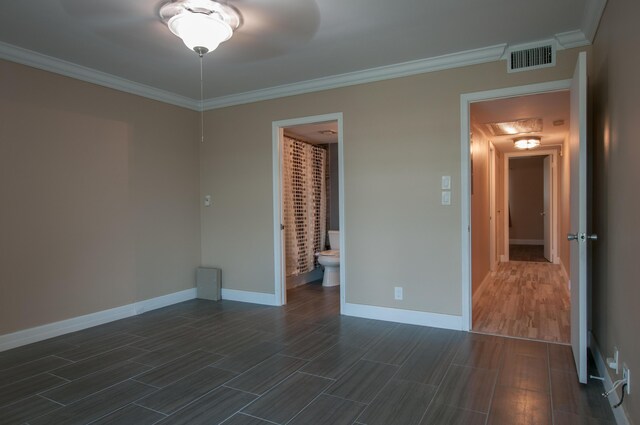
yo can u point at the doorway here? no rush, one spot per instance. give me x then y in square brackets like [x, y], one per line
[531, 201]
[518, 286]
[574, 219]
[301, 225]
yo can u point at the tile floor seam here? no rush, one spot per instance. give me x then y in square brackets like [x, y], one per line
[247, 414]
[317, 376]
[244, 391]
[51, 400]
[136, 403]
[431, 402]
[439, 386]
[36, 393]
[495, 384]
[144, 383]
[307, 405]
[97, 392]
[553, 416]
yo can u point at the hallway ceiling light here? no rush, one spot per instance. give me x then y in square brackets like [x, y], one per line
[201, 24]
[529, 142]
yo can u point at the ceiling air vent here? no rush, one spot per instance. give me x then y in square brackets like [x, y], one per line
[532, 58]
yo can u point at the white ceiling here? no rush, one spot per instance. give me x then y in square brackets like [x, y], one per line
[317, 133]
[551, 107]
[280, 43]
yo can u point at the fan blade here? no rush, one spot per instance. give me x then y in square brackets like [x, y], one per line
[110, 13]
[270, 29]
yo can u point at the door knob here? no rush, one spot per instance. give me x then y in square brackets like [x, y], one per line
[572, 236]
[593, 237]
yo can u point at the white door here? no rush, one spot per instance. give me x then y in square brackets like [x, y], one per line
[578, 216]
[546, 209]
[492, 208]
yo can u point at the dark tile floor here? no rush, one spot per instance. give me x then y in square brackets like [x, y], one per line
[203, 362]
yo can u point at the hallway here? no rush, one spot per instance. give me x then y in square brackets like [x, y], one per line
[526, 300]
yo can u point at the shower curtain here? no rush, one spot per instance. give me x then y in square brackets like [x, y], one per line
[305, 204]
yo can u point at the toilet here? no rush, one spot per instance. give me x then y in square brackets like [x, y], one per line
[330, 259]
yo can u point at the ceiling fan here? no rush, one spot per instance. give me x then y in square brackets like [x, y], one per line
[262, 29]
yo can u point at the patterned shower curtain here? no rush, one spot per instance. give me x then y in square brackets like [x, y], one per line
[305, 204]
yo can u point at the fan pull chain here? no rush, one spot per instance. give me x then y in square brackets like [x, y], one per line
[201, 103]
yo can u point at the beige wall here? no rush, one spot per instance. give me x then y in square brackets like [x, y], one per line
[526, 198]
[480, 244]
[400, 137]
[99, 197]
[616, 178]
[102, 191]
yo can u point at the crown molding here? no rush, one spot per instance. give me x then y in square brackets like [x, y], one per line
[591, 18]
[566, 40]
[438, 63]
[571, 39]
[79, 72]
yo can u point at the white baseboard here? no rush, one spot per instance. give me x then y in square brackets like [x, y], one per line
[303, 279]
[165, 300]
[620, 413]
[50, 330]
[249, 297]
[563, 269]
[526, 241]
[483, 284]
[410, 317]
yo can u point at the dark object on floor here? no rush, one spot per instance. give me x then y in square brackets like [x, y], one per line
[533, 253]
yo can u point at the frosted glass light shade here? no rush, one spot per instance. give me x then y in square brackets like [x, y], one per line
[527, 142]
[199, 30]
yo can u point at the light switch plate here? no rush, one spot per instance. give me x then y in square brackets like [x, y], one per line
[207, 201]
[446, 182]
[446, 197]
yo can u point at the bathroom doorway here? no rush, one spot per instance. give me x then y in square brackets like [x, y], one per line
[308, 204]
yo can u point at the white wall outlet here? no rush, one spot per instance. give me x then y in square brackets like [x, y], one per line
[446, 197]
[626, 374]
[397, 293]
[207, 201]
[446, 182]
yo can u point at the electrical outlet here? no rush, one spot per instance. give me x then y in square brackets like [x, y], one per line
[626, 374]
[397, 292]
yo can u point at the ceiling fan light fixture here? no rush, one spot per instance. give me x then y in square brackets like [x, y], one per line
[201, 24]
[200, 32]
[529, 142]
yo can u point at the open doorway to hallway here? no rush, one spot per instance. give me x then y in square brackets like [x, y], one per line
[519, 210]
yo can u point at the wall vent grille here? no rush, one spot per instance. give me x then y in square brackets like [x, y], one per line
[532, 58]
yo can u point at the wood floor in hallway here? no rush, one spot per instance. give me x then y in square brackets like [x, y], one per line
[525, 300]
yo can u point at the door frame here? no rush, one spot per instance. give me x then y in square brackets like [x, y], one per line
[466, 99]
[553, 153]
[493, 227]
[277, 127]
